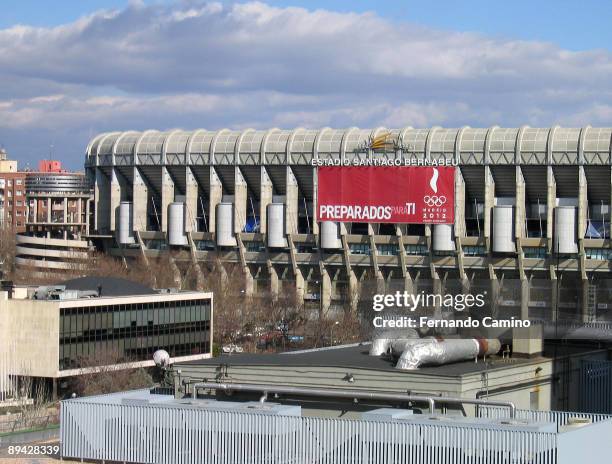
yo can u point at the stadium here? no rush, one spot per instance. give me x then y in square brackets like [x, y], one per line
[531, 210]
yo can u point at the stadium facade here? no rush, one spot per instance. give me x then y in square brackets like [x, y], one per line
[532, 206]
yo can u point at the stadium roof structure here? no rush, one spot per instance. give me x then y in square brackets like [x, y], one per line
[495, 145]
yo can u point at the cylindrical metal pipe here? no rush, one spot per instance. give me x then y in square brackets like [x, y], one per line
[503, 229]
[384, 341]
[565, 230]
[225, 222]
[125, 228]
[176, 224]
[353, 394]
[433, 351]
[276, 225]
[443, 237]
[329, 235]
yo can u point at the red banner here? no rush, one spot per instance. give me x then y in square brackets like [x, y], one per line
[395, 194]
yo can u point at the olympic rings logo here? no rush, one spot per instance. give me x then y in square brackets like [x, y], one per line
[434, 200]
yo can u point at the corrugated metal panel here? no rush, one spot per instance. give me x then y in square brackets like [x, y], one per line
[558, 417]
[116, 432]
[596, 386]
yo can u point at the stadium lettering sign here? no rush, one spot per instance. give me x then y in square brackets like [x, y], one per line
[406, 194]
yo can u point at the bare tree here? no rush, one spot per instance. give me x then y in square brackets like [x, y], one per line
[100, 375]
[7, 251]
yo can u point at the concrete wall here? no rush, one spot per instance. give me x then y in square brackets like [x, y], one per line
[29, 331]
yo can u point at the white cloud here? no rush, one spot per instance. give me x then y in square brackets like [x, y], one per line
[210, 65]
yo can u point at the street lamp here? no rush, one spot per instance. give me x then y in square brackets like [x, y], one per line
[331, 333]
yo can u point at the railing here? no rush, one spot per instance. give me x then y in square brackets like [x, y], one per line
[116, 432]
[27, 423]
[560, 418]
[596, 386]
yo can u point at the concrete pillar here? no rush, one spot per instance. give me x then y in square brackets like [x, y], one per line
[222, 272]
[167, 197]
[115, 198]
[524, 299]
[140, 198]
[49, 204]
[240, 201]
[353, 288]
[554, 292]
[489, 202]
[520, 212]
[583, 205]
[79, 213]
[265, 198]
[587, 305]
[195, 267]
[215, 194]
[437, 289]
[300, 287]
[494, 291]
[35, 211]
[87, 208]
[102, 199]
[249, 283]
[326, 291]
[292, 203]
[191, 201]
[315, 201]
[65, 214]
[459, 204]
[551, 203]
[274, 282]
[465, 286]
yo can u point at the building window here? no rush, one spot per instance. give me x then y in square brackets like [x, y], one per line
[387, 249]
[19, 203]
[474, 251]
[416, 250]
[534, 252]
[9, 183]
[359, 249]
[134, 331]
[18, 212]
[598, 253]
[254, 246]
[18, 193]
[18, 182]
[9, 193]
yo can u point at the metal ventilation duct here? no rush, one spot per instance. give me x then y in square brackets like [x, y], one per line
[276, 225]
[565, 230]
[125, 230]
[443, 237]
[385, 340]
[176, 224]
[503, 229]
[225, 222]
[330, 238]
[436, 351]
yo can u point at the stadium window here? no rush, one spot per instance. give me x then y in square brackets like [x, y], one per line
[359, 249]
[387, 249]
[417, 250]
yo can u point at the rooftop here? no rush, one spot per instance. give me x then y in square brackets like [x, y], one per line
[354, 357]
[109, 286]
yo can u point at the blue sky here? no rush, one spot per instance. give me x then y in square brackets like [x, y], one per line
[72, 69]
